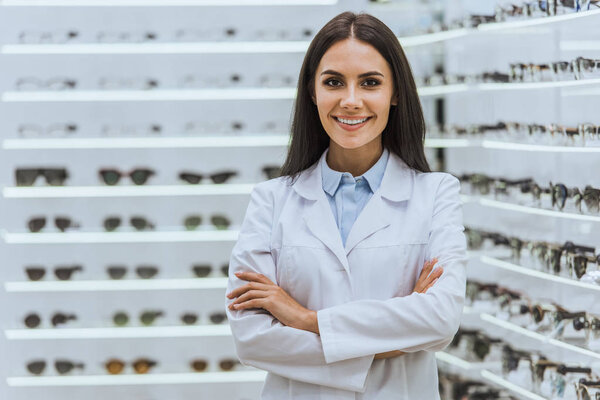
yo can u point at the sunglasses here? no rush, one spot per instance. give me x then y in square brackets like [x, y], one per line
[62, 366]
[36, 224]
[560, 194]
[139, 176]
[192, 222]
[587, 390]
[33, 320]
[58, 83]
[139, 223]
[271, 171]
[203, 270]
[194, 178]
[55, 129]
[143, 271]
[577, 260]
[591, 199]
[63, 273]
[227, 364]
[140, 366]
[147, 318]
[53, 176]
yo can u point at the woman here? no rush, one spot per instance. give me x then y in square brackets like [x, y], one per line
[326, 290]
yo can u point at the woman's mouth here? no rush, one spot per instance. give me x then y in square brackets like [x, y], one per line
[351, 124]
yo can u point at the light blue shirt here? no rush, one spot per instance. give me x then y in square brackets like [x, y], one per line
[348, 195]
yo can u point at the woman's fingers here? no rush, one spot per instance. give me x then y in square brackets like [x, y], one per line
[248, 286]
[427, 276]
[430, 285]
[251, 294]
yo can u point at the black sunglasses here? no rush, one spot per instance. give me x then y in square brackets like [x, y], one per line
[33, 320]
[139, 176]
[142, 271]
[271, 171]
[218, 317]
[139, 223]
[37, 367]
[36, 224]
[219, 177]
[147, 318]
[203, 270]
[53, 176]
[63, 273]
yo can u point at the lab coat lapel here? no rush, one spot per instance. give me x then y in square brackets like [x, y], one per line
[396, 185]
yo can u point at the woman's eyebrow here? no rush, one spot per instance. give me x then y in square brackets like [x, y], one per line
[335, 73]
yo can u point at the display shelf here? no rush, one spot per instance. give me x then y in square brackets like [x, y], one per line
[163, 3]
[148, 142]
[118, 332]
[116, 285]
[141, 379]
[151, 95]
[449, 143]
[429, 91]
[528, 210]
[120, 237]
[223, 189]
[514, 389]
[535, 85]
[500, 145]
[556, 19]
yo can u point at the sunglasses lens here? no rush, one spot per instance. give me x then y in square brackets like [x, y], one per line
[199, 365]
[143, 366]
[140, 176]
[116, 272]
[114, 366]
[217, 318]
[190, 178]
[63, 366]
[271, 172]
[36, 367]
[189, 318]
[110, 176]
[62, 223]
[580, 266]
[35, 274]
[55, 176]
[26, 177]
[140, 223]
[192, 222]
[120, 319]
[201, 271]
[222, 177]
[225, 269]
[227, 365]
[36, 224]
[32, 321]
[220, 222]
[148, 317]
[112, 223]
[65, 273]
[146, 272]
[60, 318]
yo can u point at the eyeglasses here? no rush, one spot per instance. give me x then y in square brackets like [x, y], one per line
[203, 270]
[53, 176]
[219, 177]
[33, 320]
[142, 271]
[139, 223]
[56, 129]
[215, 318]
[139, 176]
[218, 317]
[63, 367]
[36, 224]
[59, 83]
[147, 318]
[591, 199]
[189, 318]
[121, 83]
[585, 66]
[227, 364]
[63, 273]
[40, 37]
[126, 37]
[131, 130]
[587, 390]
[140, 366]
[192, 222]
[273, 80]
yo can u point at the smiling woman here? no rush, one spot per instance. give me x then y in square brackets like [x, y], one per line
[349, 269]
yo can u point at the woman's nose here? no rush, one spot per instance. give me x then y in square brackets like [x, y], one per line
[351, 98]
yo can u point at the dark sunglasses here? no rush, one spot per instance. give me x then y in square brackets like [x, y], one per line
[583, 389]
[591, 198]
[271, 171]
[33, 320]
[147, 318]
[139, 223]
[140, 366]
[194, 178]
[189, 318]
[227, 364]
[143, 271]
[53, 176]
[36, 224]
[192, 222]
[139, 176]
[560, 194]
[63, 273]
[62, 366]
[203, 270]
[218, 317]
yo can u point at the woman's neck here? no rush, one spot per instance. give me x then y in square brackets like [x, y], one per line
[356, 161]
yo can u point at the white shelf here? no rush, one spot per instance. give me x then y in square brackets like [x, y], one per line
[119, 332]
[536, 85]
[510, 25]
[454, 361]
[516, 390]
[127, 191]
[164, 3]
[151, 95]
[116, 285]
[499, 145]
[141, 379]
[449, 143]
[120, 237]
[440, 90]
[148, 143]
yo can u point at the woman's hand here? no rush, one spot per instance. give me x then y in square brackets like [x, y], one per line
[262, 293]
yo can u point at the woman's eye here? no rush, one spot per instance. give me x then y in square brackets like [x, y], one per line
[328, 81]
[368, 82]
[374, 82]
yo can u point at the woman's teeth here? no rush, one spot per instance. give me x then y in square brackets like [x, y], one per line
[352, 121]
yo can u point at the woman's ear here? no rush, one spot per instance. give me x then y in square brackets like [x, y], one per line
[394, 101]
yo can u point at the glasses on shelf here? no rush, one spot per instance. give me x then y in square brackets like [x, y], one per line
[131, 130]
[143, 271]
[112, 176]
[203, 270]
[193, 222]
[56, 84]
[33, 320]
[271, 171]
[122, 83]
[48, 37]
[217, 178]
[146, 318]
[37, 367]
[137, 222]
[36, 224]
[63, 272]
[53, 176]
[126, 36]
[116, 366]
[52, 130]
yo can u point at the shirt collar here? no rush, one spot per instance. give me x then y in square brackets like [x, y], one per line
[332, 179]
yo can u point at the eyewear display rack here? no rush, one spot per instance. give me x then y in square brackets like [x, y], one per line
[191, 85]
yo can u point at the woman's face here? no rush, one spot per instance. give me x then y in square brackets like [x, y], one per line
[353, 82]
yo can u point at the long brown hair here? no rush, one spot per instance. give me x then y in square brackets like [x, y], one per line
[405, 131]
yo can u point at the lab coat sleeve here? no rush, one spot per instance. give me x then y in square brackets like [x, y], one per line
[412, 323]
[261, 340]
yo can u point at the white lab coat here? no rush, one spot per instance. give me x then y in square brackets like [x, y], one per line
[362, 293]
